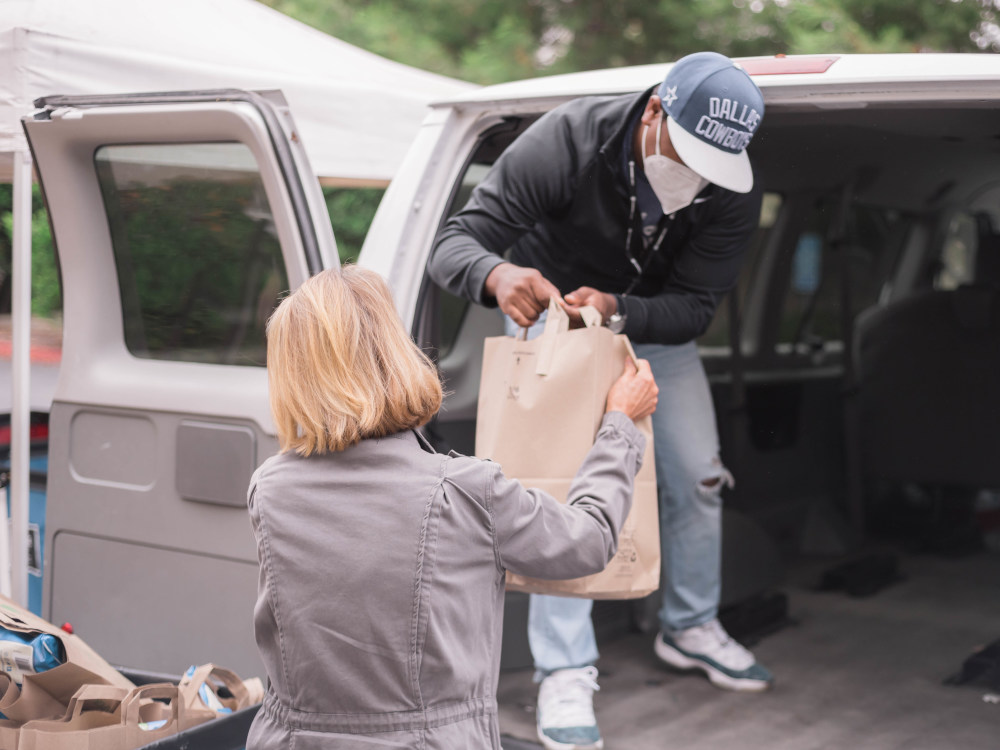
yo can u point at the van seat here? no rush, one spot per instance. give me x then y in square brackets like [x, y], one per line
[929, 382]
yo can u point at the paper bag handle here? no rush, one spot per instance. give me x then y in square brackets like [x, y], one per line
[189, 686]
[94, 697]
[9, 691]
[255, 690]
[141, 695]
[557, 322]
[592, 317]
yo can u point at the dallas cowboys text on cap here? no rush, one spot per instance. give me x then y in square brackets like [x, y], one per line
[712, 108]
[712, 127]
[711, 97]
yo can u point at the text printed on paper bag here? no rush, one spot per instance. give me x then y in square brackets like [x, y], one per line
[626, 558]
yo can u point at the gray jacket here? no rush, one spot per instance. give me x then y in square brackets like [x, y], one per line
[380, 602]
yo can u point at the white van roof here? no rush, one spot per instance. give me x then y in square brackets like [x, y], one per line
[772, 74]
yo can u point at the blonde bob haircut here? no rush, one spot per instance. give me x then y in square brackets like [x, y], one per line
[341, 367]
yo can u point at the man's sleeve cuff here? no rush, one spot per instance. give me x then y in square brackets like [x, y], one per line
[477, 278]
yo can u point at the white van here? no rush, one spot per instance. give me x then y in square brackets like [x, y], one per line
[855, 379]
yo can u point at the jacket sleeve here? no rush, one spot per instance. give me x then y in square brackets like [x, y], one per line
[540, 537]
[702, 273]
[529, 180]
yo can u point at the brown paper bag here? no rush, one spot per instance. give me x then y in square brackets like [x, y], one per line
[104, 717]
[541, 403]
[9, 730]
[255, 690]
[47, 694]
[212, 676]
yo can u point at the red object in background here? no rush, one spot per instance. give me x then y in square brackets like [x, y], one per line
[67, 627]
[35, 432]
[48, 355]
[782, 65]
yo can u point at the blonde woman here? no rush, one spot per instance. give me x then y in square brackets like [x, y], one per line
[382, 563]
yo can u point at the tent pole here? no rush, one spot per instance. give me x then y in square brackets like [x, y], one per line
[21, 377]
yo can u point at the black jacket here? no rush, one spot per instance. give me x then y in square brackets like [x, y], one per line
[558, 198]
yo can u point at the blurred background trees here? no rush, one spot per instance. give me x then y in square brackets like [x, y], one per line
[491, 41]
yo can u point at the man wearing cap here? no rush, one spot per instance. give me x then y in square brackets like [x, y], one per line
[642, 207]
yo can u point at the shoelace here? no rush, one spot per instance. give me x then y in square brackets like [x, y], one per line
[567, 699]
[712, 640]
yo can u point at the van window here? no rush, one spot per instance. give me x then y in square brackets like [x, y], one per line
[956, 266]
[452, 309]
[715, 340]
[812, 311]
[198, 260]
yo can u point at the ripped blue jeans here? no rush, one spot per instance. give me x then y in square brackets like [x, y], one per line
[690, 478]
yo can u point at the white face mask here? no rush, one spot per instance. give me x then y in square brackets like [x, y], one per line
[674, 184]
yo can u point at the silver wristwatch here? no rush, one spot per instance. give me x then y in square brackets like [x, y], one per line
[616, 323]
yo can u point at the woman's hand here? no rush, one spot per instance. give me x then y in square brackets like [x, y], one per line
[635, 393]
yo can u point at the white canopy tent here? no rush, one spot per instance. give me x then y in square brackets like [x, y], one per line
[356, 112]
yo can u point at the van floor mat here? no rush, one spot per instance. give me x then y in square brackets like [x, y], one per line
[929, 520]
[862, 576]
[981, 667]
[752, 619]
[851, 673]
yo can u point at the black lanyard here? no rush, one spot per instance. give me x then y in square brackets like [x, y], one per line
[640, 268]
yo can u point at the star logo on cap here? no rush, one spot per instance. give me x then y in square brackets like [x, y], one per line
[670, 96]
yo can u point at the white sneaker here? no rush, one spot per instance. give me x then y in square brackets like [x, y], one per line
[711, 649]
[566, 710]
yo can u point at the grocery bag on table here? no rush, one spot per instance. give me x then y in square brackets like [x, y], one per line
[47, 664]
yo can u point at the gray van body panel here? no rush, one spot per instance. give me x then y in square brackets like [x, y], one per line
[149, 553]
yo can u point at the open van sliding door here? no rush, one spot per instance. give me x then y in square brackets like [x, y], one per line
[179, 220]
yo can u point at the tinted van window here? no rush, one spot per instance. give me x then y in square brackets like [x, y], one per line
[812, 314]
[956, 266]
[715, 341]
[198, 260]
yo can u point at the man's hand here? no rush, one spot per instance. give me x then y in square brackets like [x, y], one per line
[635, 393]
[606, 304]
[522, 293]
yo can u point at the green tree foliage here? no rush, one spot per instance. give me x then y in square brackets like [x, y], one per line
[46, 300]
[470, 39]
[493, 41]
[873, 26]
[489, 41]
[351, 211]
[199, 266]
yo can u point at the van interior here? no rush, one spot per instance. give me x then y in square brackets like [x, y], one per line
[855, 376]
[854, 371]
